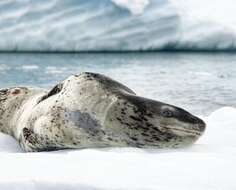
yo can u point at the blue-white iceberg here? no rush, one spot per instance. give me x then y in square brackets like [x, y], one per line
[117, 25]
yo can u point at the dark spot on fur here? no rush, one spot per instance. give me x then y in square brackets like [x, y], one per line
[135, 118]
[149, 124]
[122, 112]
[128, 124]
[26, 132]
[3, 98]
[55, 90]
[156, 138]
[145, 134]
[156, 129]
[149, 114]
[29, 135]
[134, 138]
[143, 118]
[140, 145]
[3, 91]
[142, 127]
[3, 94]
[149, 140]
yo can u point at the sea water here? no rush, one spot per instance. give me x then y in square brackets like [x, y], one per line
[198, 82]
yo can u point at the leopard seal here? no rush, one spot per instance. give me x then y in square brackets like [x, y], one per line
[92, 110]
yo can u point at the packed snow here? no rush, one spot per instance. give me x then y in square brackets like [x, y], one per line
[207, 165]
[117, 25]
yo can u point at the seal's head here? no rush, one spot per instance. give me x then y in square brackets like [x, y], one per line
[180, 122]
[156, 124]
[10, 101]
[184, 127]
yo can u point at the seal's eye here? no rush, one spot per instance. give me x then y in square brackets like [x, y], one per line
[16, 91]
[167, 113]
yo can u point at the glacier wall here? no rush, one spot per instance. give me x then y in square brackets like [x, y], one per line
[117, 25]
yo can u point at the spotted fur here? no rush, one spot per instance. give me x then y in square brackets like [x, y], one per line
[92, 110]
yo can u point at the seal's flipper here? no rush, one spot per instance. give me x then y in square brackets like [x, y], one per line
[28, 140]
[29, 136]
[32, 142]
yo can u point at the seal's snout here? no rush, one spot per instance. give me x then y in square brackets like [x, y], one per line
[198, 123]
[180, 122]
[201, 125]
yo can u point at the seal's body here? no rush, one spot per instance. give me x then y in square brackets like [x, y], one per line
[91, 110]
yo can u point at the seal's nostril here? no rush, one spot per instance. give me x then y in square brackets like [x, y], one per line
[202, 125]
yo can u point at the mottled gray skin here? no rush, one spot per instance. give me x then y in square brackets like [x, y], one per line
[92, 110]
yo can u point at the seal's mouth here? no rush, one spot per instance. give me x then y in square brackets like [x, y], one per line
[183, 131]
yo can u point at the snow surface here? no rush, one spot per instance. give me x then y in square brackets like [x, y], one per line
[207, 165]
[119, 25]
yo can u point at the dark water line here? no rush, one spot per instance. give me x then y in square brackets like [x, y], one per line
[182, 50]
